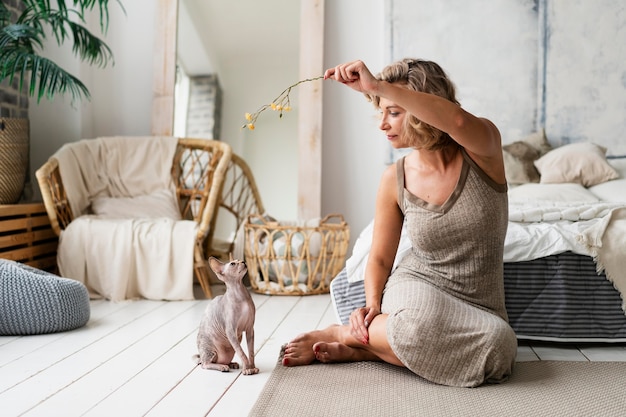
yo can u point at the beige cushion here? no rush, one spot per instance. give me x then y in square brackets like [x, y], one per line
[161, 203]
[582, 163]
[519, 158]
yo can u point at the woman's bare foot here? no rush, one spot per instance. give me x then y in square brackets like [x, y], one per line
[300, 350]
[337, 344]
[338, 352]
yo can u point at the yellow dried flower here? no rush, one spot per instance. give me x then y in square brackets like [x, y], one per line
[280, 104]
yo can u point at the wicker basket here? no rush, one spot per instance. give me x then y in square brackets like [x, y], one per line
[14, 143]
[288, 259]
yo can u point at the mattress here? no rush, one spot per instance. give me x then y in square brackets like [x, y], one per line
[555, 298]
[562, 297]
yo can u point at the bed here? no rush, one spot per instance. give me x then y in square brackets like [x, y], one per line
[565, 249]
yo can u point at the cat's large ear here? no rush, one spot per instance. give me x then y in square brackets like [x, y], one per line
[216, 265]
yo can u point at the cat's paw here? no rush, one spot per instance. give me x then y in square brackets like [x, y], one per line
[223, 368]
[233, 365]
[216, 367]
[250, 371]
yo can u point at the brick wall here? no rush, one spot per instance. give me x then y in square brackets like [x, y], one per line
[205, 106]
[12, 102]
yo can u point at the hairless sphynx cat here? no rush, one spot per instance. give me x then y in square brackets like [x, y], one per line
[225, 319]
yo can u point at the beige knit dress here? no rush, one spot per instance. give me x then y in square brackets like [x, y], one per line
[447, 318]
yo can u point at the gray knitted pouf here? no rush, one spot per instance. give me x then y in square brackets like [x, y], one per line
[33, 301]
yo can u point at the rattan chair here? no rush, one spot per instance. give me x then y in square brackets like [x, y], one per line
[198, 170]
[239, 198]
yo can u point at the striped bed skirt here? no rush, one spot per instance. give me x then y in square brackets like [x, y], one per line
[556, 298]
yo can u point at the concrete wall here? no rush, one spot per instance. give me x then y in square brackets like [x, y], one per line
[488, 48]
[585, 72]
[121, 95]
[527, 64]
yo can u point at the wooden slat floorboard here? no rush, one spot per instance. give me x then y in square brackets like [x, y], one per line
[61, 365]
[134, 358]
[157, 337]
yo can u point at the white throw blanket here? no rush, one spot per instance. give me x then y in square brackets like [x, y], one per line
[122, 259]
[114, 167]
[544, 228]
[134, 244]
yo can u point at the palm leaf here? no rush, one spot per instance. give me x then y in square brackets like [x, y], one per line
[46, 78]
[20, 35]
[22, 41]
[89, 47]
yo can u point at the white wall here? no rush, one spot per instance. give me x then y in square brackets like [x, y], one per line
[527, 64]
[252, 72]
[121, 95]
[271, 149]
[354, 151]
[353, 148]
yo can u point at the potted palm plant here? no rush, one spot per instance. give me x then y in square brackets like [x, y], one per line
[24, 28]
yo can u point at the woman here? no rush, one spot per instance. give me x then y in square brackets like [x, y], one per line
[441, 313]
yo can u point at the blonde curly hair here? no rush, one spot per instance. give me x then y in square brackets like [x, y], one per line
[427, 77]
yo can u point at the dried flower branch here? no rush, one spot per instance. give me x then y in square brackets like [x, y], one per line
[280, 104]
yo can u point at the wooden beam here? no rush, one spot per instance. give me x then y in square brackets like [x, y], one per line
[164, 68]
[310, 109]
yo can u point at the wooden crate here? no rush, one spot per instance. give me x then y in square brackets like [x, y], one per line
[26, 236]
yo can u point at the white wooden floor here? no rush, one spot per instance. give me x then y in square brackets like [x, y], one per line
[134, 358]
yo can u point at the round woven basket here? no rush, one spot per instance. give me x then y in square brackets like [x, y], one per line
[14, 145]
[287, 259]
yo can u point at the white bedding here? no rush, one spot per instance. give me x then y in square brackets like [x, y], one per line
[535, 231]
[546, 228]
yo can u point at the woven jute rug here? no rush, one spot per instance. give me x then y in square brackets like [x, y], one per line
[542, 388]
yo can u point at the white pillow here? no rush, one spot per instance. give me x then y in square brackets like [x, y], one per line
[620, 165]
[614, 190]
[567, 192]
[582, 163]
[161, 203]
